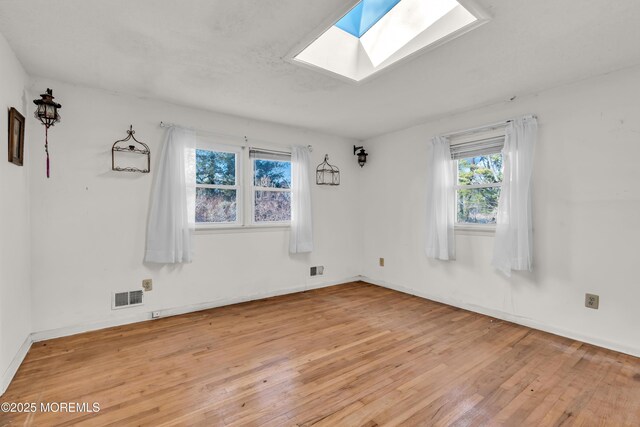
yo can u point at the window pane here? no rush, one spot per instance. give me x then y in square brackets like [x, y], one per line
[480, 170]
[272, 173]
[478, 205]
[215, 167]
[214, 205]
[272, 206]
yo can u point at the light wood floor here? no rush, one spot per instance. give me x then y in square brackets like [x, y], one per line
[350, 355]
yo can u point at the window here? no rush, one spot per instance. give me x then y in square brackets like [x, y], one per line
[478, 189]
[226, 197]
[479, 173]
[217, 187]
[271, 189]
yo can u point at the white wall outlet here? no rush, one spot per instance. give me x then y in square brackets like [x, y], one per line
[147, 285]
[155, 314]
[592, 301]
[320, 270]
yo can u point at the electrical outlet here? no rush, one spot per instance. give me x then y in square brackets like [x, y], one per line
[381, 262]
[155, 314]
[316, 271]
[147, 285]
[592, 301]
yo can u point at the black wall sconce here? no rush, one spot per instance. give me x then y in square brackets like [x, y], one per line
[47, 113]
[362, 155]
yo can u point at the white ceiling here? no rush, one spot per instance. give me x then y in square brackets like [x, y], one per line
[228, 56]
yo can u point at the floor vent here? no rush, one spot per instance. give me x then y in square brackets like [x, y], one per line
[126, 299]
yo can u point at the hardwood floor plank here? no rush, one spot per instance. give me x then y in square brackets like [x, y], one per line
[349, 355]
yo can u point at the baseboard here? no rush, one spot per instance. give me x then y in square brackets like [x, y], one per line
[76, 329]
[524, 321]
[175, 311]
[15, 364]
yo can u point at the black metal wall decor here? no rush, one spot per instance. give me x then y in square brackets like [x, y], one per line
[327, 174]
[134, 147]
[362, 155]
[47, 113]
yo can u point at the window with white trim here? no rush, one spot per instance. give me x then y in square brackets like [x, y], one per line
[218, 192]
[240, 187]
[271, 187]
[478, 178]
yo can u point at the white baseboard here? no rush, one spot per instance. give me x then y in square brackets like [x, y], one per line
[524, 321]
[15, 364]
[174, 311]
[76, 329]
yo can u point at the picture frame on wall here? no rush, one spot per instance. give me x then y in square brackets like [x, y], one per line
[16, 137]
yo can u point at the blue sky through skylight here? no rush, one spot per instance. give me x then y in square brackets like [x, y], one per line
[365, 15]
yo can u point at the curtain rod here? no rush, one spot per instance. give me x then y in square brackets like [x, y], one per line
[244, 138]
[486, 127]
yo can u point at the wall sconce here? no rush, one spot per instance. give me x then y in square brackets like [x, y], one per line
[47, 113]
[362, 155]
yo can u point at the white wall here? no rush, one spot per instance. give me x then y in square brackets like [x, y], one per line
[15, 306]
[89, 223]
[586, 207]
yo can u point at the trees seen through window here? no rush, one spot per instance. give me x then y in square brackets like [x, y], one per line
[478, 189]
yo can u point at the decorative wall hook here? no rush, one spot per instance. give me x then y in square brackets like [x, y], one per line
[136, 148]
[327, 174]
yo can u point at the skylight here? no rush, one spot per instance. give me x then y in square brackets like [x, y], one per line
[375, 34]
[364, 15]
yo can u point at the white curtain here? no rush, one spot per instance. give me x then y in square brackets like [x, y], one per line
[513, 248]
[440, 201]
[301, 235]
[171, 216]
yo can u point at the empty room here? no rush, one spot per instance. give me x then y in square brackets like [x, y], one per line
[328, 213]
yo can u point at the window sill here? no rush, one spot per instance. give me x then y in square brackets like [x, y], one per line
[216, 229]
[475, 230]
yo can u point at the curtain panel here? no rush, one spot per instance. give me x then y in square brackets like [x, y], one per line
[440, 201]
[301, 234]
[171, 215]
[513, 247]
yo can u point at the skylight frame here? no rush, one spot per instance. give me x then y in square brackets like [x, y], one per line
[481, 15]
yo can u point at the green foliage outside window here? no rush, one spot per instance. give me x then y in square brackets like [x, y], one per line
[215, 167]
[272, 173]
[215, 204]
[479, 205]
